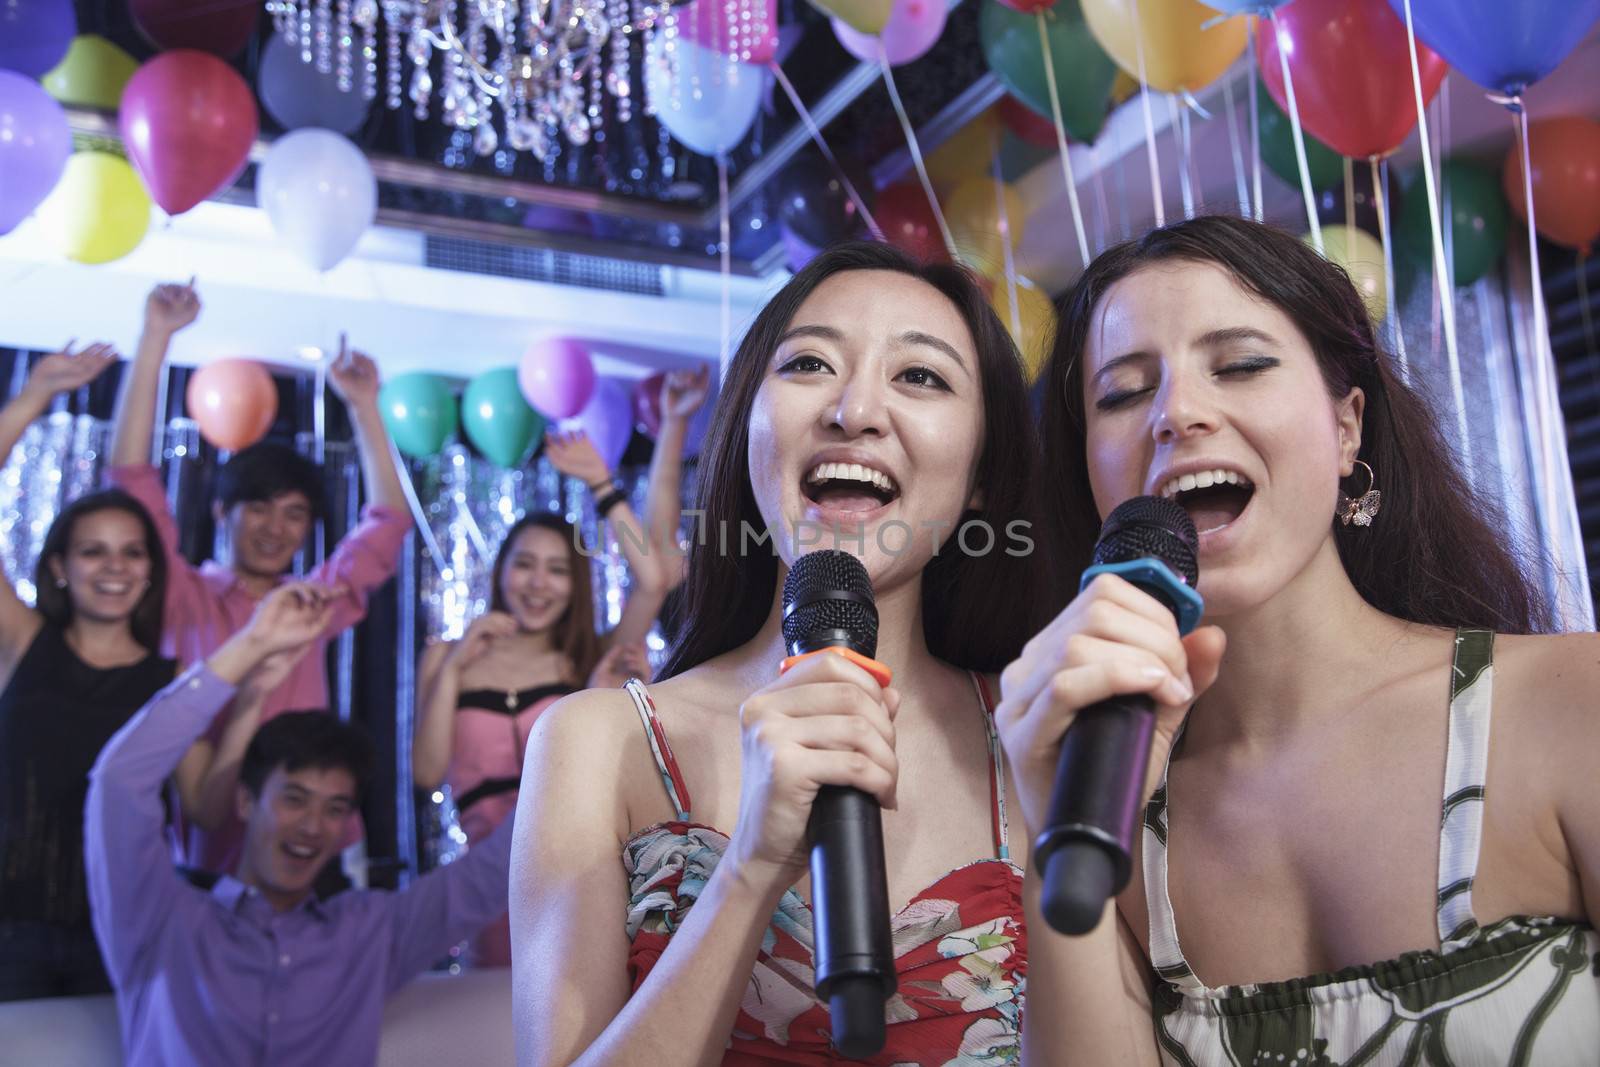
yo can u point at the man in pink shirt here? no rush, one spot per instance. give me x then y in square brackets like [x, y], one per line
[268, 496]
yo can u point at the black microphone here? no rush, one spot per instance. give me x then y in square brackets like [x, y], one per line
[828, 604]
[1085, 849]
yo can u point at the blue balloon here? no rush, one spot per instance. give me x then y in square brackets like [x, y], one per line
[1505, 45]
[35, 34]
[299, 96]
[1244, 7]
[35, 142]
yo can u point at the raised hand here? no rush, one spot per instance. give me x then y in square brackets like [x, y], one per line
[169, 308]
[270, 673]
[621, 662]
[485, 630]
[1112, 640]
[684, 391]
[66, 370]
[573, 454]
[354, 376]
[289, 617]
[825, 722]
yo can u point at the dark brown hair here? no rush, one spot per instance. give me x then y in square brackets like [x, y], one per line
[55, 604]
[574, 631]
[297, 740]
[977, 609]
[1433, 557]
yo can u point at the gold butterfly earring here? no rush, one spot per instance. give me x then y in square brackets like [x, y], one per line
[1361, 510]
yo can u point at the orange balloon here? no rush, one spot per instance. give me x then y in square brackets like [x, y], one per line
[1564, 154]
[234, 401]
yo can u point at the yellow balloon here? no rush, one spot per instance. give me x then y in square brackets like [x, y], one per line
[1360, 254]
[868, 16]
[1122, 87]
[92, 74]
[1038, 316]
[98, 211]
[966, 153]
[1178, 54]
[973, 213]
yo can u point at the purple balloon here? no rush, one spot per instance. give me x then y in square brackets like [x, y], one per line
[35, 142]
[608, 420]
[556, 377]
[35, 34]
[298, 96]
[914, 27]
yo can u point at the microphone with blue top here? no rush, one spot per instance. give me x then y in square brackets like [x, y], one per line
[1086, 848]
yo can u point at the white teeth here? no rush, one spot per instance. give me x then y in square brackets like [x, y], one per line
[1202, 480]
[852, 472]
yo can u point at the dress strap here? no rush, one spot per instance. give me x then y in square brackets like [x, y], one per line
[671, 777]
[1166, 955]
[1465, 771]
[997, 769]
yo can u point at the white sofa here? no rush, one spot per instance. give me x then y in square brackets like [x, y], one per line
[436, 1019]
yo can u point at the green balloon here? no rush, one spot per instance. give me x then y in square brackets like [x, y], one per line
[1277, 147]
[1084, 72]
[1478, 219]
[93, 73]
[496, 418]
[419, 412]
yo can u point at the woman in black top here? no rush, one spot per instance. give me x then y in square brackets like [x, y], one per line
[73, 669]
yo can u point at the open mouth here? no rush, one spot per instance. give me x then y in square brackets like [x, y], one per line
[848, 487]
[113, 588]
[1214, 499]
[300, 853]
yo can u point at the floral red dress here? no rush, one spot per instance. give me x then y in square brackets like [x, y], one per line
[959, 945]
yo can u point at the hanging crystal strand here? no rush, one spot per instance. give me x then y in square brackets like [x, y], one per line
[283, 21]
[343, 40]
[486, 140]
[597, 63]
[324, 36]
[619, 76]
[392, 78]
[366, 16]
[419, 52]
[306, 55]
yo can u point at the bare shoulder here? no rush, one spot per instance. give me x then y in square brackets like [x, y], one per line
[1549, 681]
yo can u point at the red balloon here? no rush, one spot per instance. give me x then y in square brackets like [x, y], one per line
[908, 223]
[1023, 121]
[234, 401]
[221, 27]
[1565, 157]
[1029, 7]
[188, 121]
[1352, 73]
[647, 404]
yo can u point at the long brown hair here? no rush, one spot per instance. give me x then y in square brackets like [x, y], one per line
[977, 609]
[55, 604]
[1434, 556]
[574, 631]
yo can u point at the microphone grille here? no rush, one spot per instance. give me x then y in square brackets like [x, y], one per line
[830, 590]
[1151, 527]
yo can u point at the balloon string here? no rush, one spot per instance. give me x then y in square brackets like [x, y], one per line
[474, 531]
[827, 153]
[1061, 138]
[725, 258]
[1005, 239]
[1312, 221]
[1240, 183]
[1103, 217]
[1255, 128]
[1539, 349]
[1380, 203]
[1149, 121]
[1180, 143]
[319, 436]
[1441, 266]
[916, 151]
[1349, 192]
[418, 515]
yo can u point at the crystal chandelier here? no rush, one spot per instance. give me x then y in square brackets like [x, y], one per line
[549, 65]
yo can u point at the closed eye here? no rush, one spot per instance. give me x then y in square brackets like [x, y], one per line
[805, 363]
[1248, 366]
[925, 378]
[1118, 398]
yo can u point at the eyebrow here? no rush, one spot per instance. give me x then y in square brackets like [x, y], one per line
[910, 337]
[826, 333]
[1210, 339]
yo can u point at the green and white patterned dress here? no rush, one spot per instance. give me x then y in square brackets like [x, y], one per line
[1524, 991]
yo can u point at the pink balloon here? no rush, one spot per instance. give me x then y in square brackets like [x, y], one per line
[608, 420]
[711, 24]
[234, 401]
[557, 377]
[188, 121]
[913, 27]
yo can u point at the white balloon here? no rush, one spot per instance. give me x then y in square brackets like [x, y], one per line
[706, 100]
[319, 193]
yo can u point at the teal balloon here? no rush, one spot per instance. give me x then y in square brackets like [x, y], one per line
[1478, 219]
[1277, 147]
[497, 420]
[1084, 72]
[419, 412]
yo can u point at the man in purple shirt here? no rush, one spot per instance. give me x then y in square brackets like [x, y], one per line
[268, 499]
[257, 970]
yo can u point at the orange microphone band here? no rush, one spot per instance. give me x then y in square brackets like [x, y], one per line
[879, 671]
